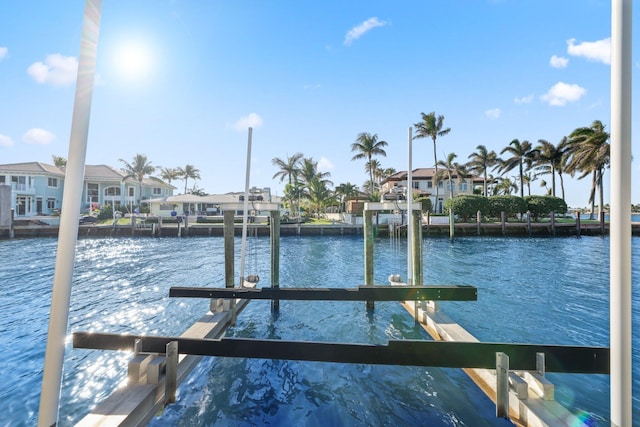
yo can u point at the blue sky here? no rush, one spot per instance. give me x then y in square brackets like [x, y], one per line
[309, 76]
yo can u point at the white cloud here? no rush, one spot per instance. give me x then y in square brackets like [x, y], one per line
[359, 30]
[561, 93]
[524, 100]
[57, 70]
[37, 136]
[252, 120]
[493, 113]
[325, 165]
[599, 51]
[5, 141]
[4, 51]
[558, 61]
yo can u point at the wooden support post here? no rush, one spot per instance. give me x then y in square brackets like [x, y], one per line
[159, 226]
[529, 223]
[274, 230]
[553, 223]
[502, 385]
[368, 253]
[170, 382]
[478, 221]
[578, 227]
[228, 231]
[503, 220]
[416, 251]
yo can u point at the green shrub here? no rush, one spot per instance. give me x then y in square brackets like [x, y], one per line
[106, 212]
[425, 202]
[511, 205]
[543, 205]
[467, 205]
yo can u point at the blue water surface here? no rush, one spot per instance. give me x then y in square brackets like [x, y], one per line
[543, 290]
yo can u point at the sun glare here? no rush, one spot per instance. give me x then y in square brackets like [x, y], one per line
[133, 60]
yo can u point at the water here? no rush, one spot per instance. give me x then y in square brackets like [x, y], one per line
[551, 290]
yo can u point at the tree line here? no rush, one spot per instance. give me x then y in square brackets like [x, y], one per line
[585, 152]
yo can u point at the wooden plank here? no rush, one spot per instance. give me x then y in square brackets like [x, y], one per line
[446, 354]
[361, 293]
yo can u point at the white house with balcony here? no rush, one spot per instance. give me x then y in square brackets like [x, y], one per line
[424, 185]
[37, 188]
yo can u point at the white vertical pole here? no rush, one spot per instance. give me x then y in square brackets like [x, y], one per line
[71, 202]
[620, 218]
[243, 250]
[410, 211]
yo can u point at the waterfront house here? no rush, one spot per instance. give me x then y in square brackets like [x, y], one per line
[37, 188]
[213, 205]
[424, 185]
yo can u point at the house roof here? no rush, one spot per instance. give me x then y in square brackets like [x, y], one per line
[91, 172]
[32, 168]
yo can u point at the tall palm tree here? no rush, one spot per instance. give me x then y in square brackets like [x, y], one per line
[188, 172]
[590, 154]
[169, 174]
[431, 127]
[367, 146]
[289, 170]
[522, 156]
[549, 160]
[138, 169]
[481, 161]
[528, 178]
[374, 167]
[449, 169]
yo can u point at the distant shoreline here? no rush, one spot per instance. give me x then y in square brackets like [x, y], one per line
[510, 229]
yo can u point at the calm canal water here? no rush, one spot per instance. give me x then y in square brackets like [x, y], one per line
[551, 290]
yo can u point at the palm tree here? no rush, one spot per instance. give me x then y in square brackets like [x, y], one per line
[590, 154]
[169, 174]
[521, 154]
[59, 161]
[481, 161]
[528, 178]
[449, 169]
[189, 171]
[344, 192]
[289, 170]
[138, 169]
[309, 172]
[317, 193]
[367, 146]
[373, 168]
[505, 186]
[549, 160]
[431, 127]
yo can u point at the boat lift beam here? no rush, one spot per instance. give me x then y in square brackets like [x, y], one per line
[361, 293]
[446, 354]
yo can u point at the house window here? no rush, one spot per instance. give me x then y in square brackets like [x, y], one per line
[52, 182]
[429, 184]
[157, 191]
[415, 184]
[112, 191]
[51, 203]
[93, 193]
[463, 186]
[440, 184]
[131, 191]
[2, 179]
